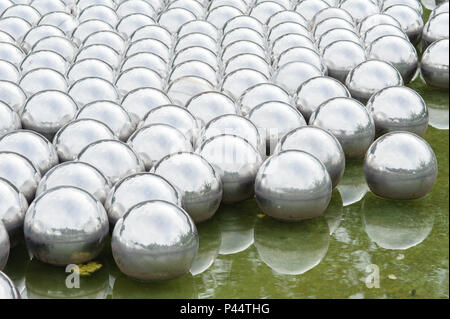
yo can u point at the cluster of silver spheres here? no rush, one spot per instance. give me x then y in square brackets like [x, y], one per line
[139, 117]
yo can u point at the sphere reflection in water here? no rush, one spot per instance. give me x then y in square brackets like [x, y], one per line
[209, 244]
[155, 240]
[7, 288]
[397, 224]
[65, 225]
[4, 246]
[292, 248]
[353, 186]
[400, 165]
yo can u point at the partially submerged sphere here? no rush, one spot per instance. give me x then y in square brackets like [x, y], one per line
[319, 143]
[113, 158]
[4, 247]
[13, 206]
[155, 240]
[293, 185]
[349, 121]
[65, 225]
[135, 189]
[371, 76]
[197, 181]
[400, 165]
[31, 145]
[76, 174]
[434, 64]
[7, 288]
[237, 163]
[398, 108]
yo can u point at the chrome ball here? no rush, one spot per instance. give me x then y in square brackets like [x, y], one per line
[7, 288]
[32, 146]
[76, 174]
[10, 119]
[397, 51]
[349, 121]
[4, 247]
[398, 108]
[273, 120]
[90, 67]
[338, 34]
[237, 163]
[196, 180]
[317, 90]
[382, 30]
[173, 18]
[151, 143]
[341, 57]
[359, 9]
[20, 172]
[43, 79]
[12, 95]
[13, 206]
[436, 29]
[301, 54]
[400, 165]
[293, 74]
[135, 189]
[236, 82]
[321, 144]
[87, 90]
[434, 65]
[376, 19]
[410, 21]
[183, 89]
[328, 13]
[112, 115]
[65, 225]
[262, 93]
[113, 158]
[47, 111]
[70, 140]
[371, 76]
[155, 240]
[293, 185]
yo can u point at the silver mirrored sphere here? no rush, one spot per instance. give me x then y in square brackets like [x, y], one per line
[87, 90]
[436, 28]
[293, 74]
[376, 19]
[151, 143]
[155, 240]
[196, 180]
[70, 140]
[12, 95]
[10, 120]
[236, 82]
[65, 225]
[237, 163]
[371, 76]
[319, 143]
[43, 79]
[382, 30]
[7, 288]
[20, 172]
[13, 206]
[113, 158]
[76, 174]
[398, 108]
[410, 21]
[4, 247]
[359, 9]
[32, 146]
[260, 93]
[349, 121]
[337, 35]
[434, 65]
[293, 185]
[138, 188]
[400, 165]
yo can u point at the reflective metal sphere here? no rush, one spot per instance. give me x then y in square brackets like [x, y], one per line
[31, 145]
[151, 143]
[371, 76]
[70, 140]
[173, 18]
[194, 68]
[293, 185]
[43, 79]
[328, 13]
[293, 74]
[237, 163]
[415, 4]
[198, 26]
[400, 165]
[397, 51]
[10, 120]
[9, 72]
[234, 125]
[4, 247]
[247, 61]
[341, 57]
[111, 114]
[47, 111]
[349, 121]
[65, 225]
[434, 65]
[101, 52]
[436, 29]
[197, 181]
[338, 34]
[13, 206]
[317, 90]
[301, 54]
[89, 90]
[359, 9]
[155, 240]
[398, 108]
[236, 82]
[382, 30]
[273, 120]
[220, 15]
[183, 89]
[149, 45]
[58, 44]
[138, 77]
[374, 20]
[20, 172]
[138, 188]
[410, 21]
[331, 24]
[240, 47]
[76, 174]
[309, 8]
[90, 67]
[319, 143]
[44, 59]
[109, 38]
[261, 93]
[7, 288]
[113, 158]
[12, 95]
